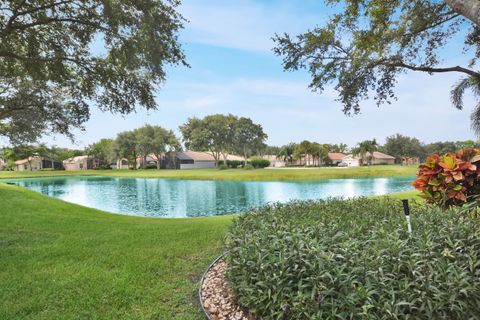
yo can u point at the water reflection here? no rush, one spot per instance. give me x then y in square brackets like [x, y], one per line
[191, 198]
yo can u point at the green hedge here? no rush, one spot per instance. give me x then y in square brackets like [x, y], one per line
[258, 163]
[232, 163]
[354, 260]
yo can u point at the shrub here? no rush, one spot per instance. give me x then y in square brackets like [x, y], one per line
[452, 179]
[234, 163]
[222, 167]
[104, 166]
[9, 166]
[248, 166]
[259, 162]
[355, 260]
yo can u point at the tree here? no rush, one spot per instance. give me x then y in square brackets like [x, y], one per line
[156, 140]
[51, 76]
[304, 150]
[365, 150]
[339, 148]
[287, 152]
[102, 150]
[271, 150]
[400, 146]
[467, 144]
[320, 153]
[249, 137]
[61, 154]
[441, 148]
[366, 45]
[126, 147]
[214, 134]
[468, 8]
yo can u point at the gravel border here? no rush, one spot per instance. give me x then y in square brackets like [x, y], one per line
[215, 296]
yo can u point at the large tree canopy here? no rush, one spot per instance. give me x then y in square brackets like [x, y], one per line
[60, 57]
[364, 47]
[223, 134]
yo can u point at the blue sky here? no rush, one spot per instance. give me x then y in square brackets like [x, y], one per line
[233, 70]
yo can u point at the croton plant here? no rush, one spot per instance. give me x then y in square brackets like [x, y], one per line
[450, 180]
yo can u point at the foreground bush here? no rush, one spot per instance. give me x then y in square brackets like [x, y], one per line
[450, 180]
[354, 260]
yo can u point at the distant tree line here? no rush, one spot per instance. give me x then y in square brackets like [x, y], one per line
[221, 135]
[398, 146]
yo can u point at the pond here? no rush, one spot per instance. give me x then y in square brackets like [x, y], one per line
[192, 198]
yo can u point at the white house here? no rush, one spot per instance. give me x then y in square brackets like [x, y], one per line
[351, 161]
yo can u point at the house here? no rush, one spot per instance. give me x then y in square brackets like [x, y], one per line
[150, 159]
[405, 161]
[121, 164]
[351, 160]
[3, 162]
[374, 158]
[336, 157]
[80, 163]
[37, 163]
[193, 160]
[381, 158]
[275, 161]
[196, 160]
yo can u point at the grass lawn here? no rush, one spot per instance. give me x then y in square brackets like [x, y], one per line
[63, 261]
[235, 174]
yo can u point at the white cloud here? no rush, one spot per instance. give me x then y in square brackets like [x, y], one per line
[204, 102]
[245, 25]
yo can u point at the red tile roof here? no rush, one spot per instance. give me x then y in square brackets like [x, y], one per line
[336, 156]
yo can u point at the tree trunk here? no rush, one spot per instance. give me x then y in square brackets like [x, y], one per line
[245, 156]
[215, 157]
[224, 158]
[134, 161]
[470, 9]
[158, 161]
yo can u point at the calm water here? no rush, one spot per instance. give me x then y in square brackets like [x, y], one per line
[191, 198]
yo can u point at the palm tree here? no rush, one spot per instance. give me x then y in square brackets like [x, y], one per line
[286, 152]
[364, 148]
[456, 95]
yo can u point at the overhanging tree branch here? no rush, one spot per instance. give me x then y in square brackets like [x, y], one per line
[431, 69]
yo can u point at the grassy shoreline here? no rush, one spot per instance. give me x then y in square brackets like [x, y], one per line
[284, 174]
[63, 261]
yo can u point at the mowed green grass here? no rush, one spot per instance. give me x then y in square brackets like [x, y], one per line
[235, 174]
[63, 261]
